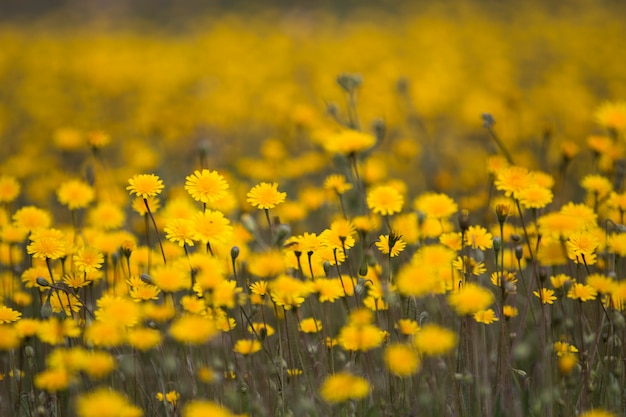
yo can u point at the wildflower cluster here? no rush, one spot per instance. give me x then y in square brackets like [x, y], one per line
[345, 266]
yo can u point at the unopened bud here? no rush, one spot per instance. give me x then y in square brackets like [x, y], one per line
[464, 222]
[497, 244]
[42, 282]
[146, 279]
[488, 120]
[46, 310]
[234, 252]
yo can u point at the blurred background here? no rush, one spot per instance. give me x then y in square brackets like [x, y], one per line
[251, 84]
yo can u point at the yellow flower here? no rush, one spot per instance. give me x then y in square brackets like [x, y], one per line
[348, 142]
[434, 340]
[485, 316]
[535, 197]
[265, 195]
[247, 346]
[561, 348]
[289, 292]
[582, 292]
[343, 386]
[340, 234]
[310, 325]
[88, 259]
[32, 218]
[193, 329]
[385, 200]
[144, 338]
[470, 299]
[337, 183]
[401, 359]
[390, 244]
[180, 231]
[582, 244]
[436, 205]
[478, 238]
[468, 265]
[75, 194]
[9, 337]
[206, 186]
[328, 290]
[98, 139]
[211, 226]
[512, 180]
[9, 188]
[612, 115]
[510, 311]
[566, 363]
[47, 244]
[53, 380]
[559, 280]
[597, 412]
[597, 185]
[107, 216]
[546, 295]
[145, 185]
[105, 334]
[261, 329]
[171, 278]
[8, 315]
[54, 332]
[121, 310]
[407, 326]
[104, 402]
[259, 288]
[360, 337]
[139, 205]
[171, 397]
[602, 283]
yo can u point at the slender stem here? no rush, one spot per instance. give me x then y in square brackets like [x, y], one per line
[156, 229]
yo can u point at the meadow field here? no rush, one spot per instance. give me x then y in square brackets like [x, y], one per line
[314, 210]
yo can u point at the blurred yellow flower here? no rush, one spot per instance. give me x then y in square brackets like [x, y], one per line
[437, 205]
[343, 386]
[337, 183]
[9, 188]
[104, 402]
[612, 115]
[193, 329]
[247, 346]
[265, 195]
[75, 194]
[310, 325]
[433, 340]
[401, 359]
[385, 200]
[348, 142]
[582, 292]
[470, 298]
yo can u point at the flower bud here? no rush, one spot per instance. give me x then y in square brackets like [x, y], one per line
[42, 282]
[234, 252]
